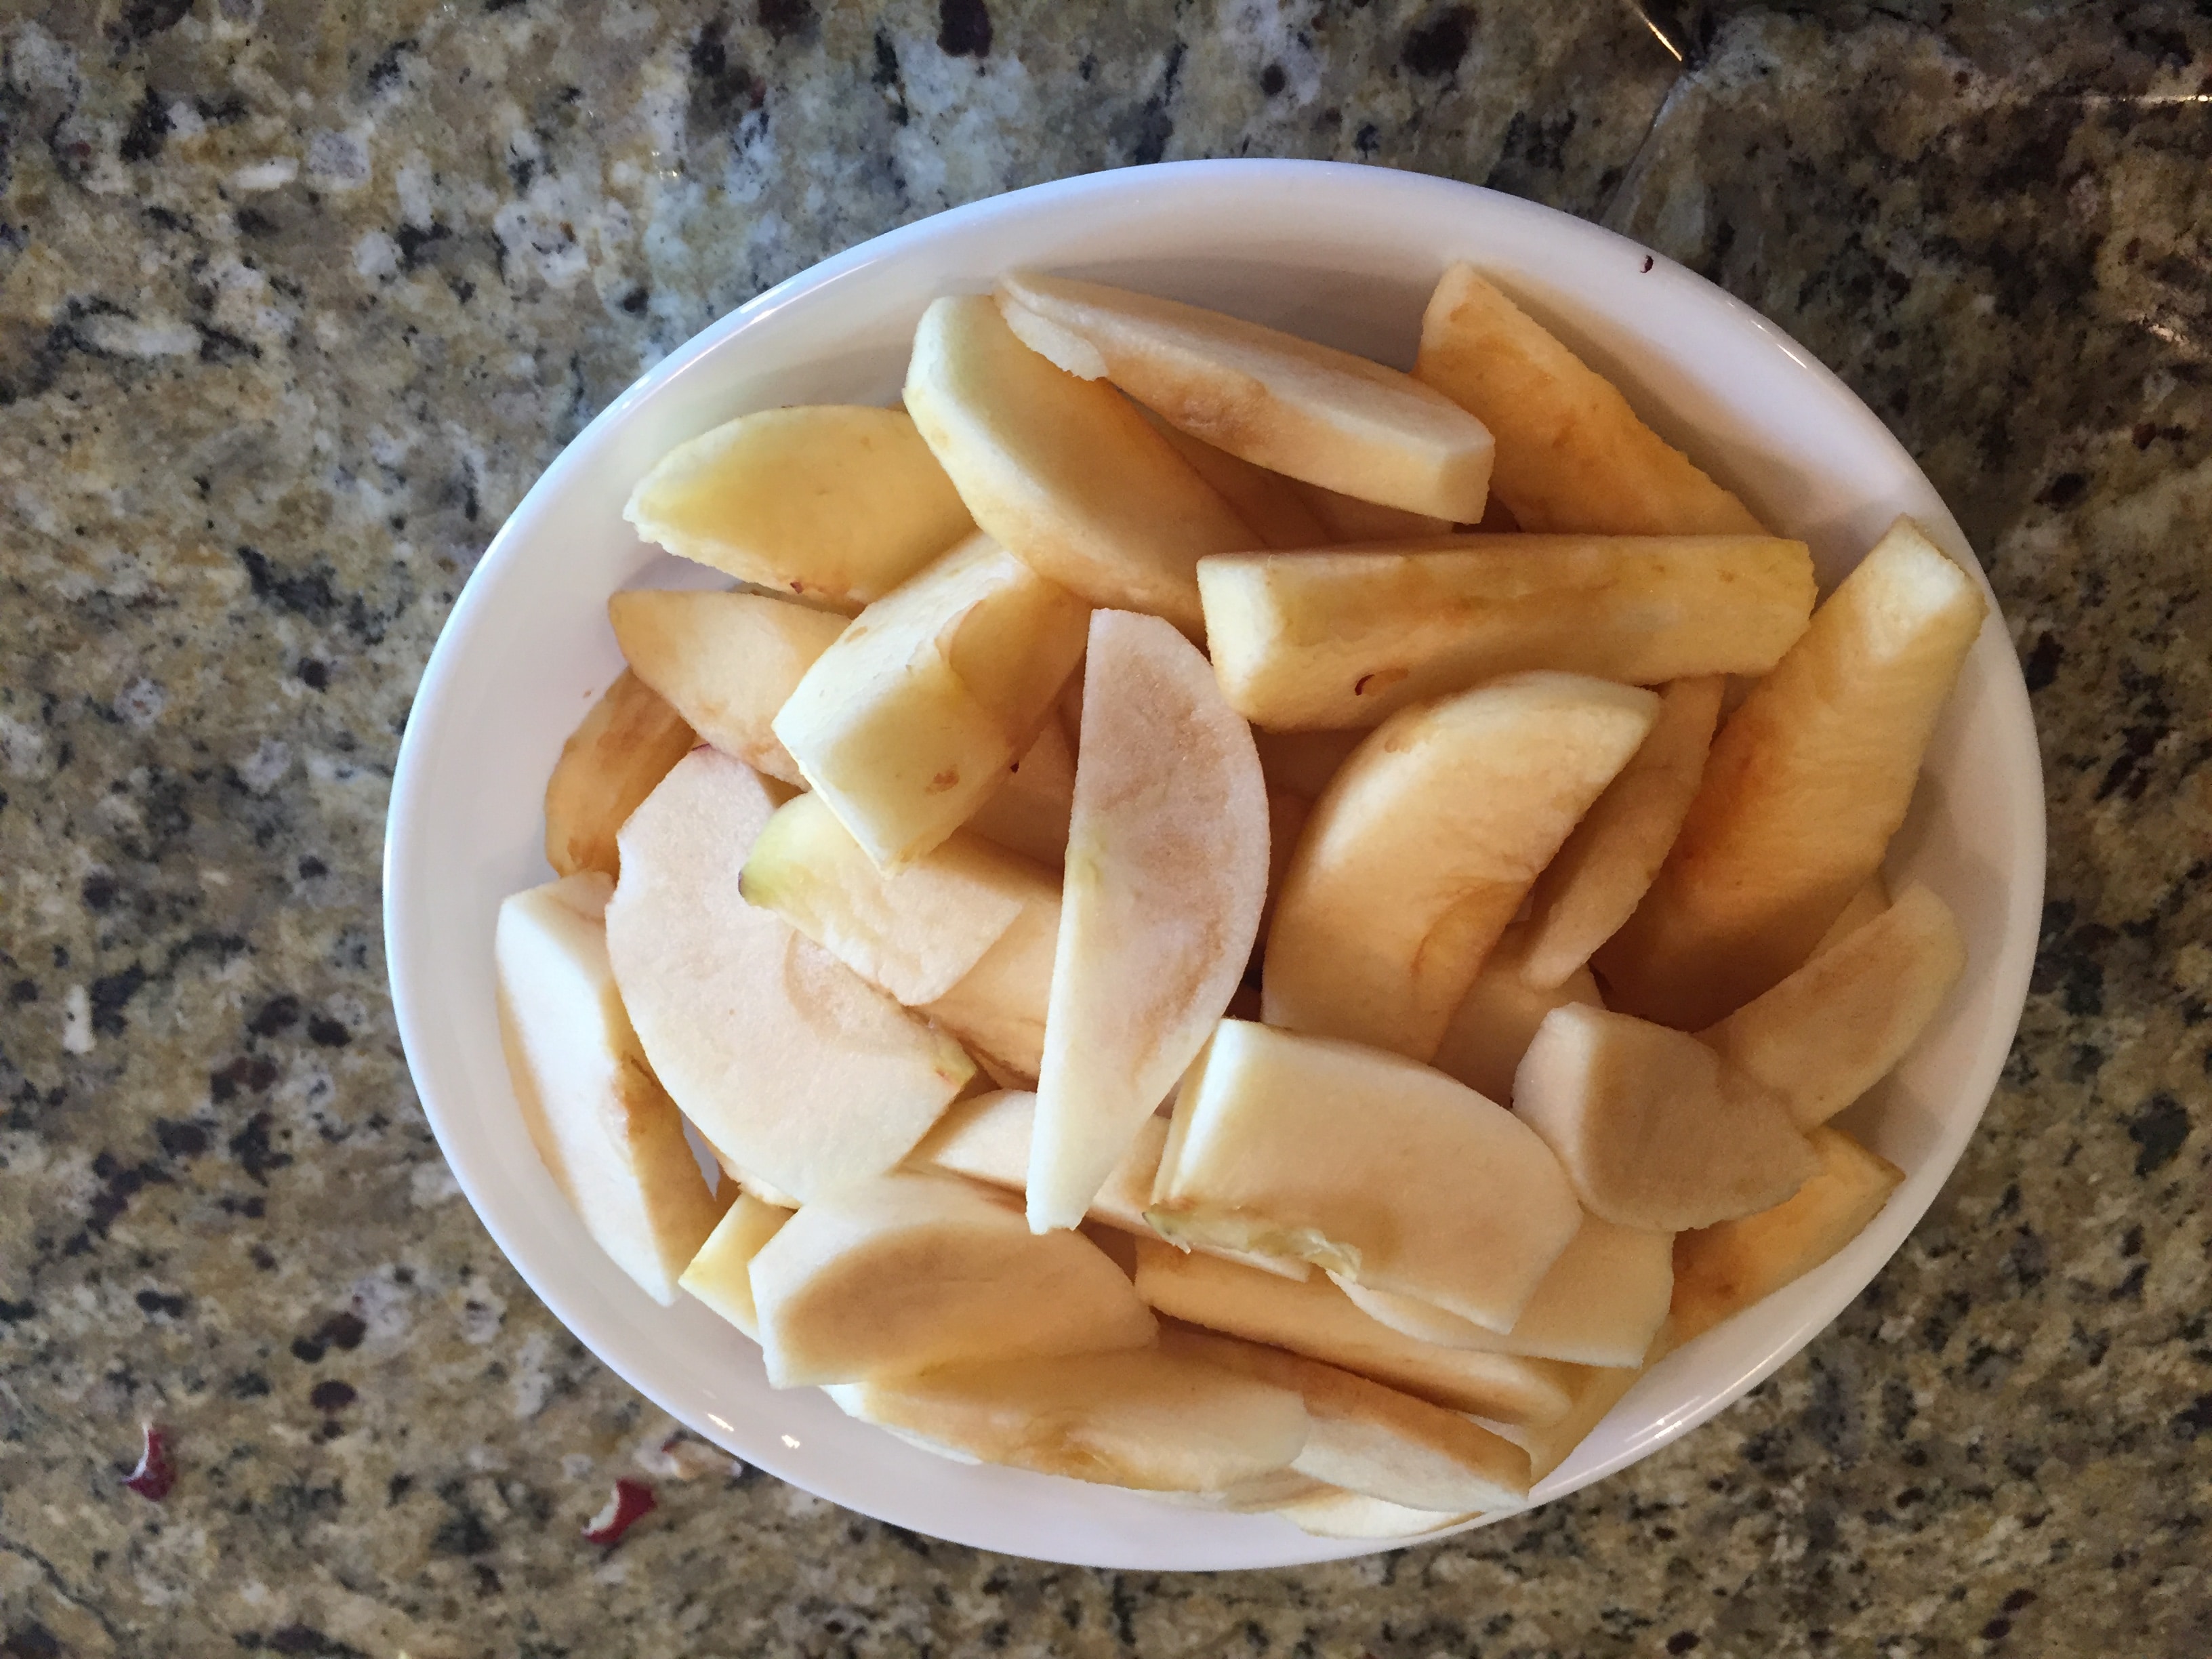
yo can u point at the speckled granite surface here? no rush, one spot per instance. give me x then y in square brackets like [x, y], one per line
[294, 303]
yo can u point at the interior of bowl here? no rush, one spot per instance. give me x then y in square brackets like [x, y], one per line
[1340, 254]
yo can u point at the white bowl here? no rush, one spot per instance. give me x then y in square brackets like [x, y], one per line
[1342, 254]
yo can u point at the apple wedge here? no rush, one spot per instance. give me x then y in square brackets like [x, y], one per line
[1063, 471]
[1316, 1319]
[1601, 1303]
[1145, 1419]
[788, 1062]
[1348, 518]
[1595, 1392]
[609, 1135]
[1343, 637]
[916, 932]
[1498, 1017]
[908, 722]
[1805, 786]
[1027, 813]
[725, 662]
[1722, 1270]
[1364, 1163]
[837, 503]
[1425, 842]
[998, 1009]
[1268, 397]
[1365, 1437]
[1274, 506]
[1869, 901]
[1604, 869]
[1654, 1131]
[902, 1272]
[1833, 1030]
[1335, 1513]
[720, 1275]
[1167, 870]
[624, 746]
[1572, 455]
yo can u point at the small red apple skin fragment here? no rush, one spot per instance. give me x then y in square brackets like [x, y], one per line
[156, 1474]
[632, 1501]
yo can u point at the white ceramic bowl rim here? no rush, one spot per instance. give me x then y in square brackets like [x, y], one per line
[1345, 253]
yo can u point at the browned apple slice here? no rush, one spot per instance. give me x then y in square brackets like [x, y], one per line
[1498, 1017]
[611, 763]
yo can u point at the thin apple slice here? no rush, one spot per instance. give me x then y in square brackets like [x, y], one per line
[1364, 1163]
[1654, 1131]
[1869, 901]
[838, 503]
[1346, 519]
[917, 932]
[609, 1135]
[999, 1008]
[1316, 1319]
[1604, 869]
[1498, 1017]
[1343, 637]
[1596, 1391]
[1805, 786]
[720, 1275]
[1833, 1030]
[1167, 870]
[1063, 471]
[903, 1273]
[1273, 506]
[1268, 397]
[1601, 1303]
[1335, 1513]
[1366, 1437]
[1147, 1420]
[725, 662]
[1722, 1270]
[624, 746]
[908, 723]
[1028, 813]
[1425, 842]
[788, 1061]
[1572, 455]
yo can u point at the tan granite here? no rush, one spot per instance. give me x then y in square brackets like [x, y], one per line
[294, 303]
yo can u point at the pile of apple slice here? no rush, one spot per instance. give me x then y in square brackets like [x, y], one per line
[1240, 923]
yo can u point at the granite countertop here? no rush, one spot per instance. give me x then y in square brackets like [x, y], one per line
[295, 302]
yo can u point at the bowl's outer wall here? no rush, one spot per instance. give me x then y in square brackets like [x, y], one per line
[1343, 254]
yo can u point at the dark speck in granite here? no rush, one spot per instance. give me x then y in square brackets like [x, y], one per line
[293, 304]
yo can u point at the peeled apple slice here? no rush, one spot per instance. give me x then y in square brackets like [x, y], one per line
[1365, 1163]
[1268, 397]
[725, 662]
[1167, 870]
[1498, 1017]
[623, 748]
[1335, 1513]
[1421, 849]
[1653, 1130]
[611, 1137]
[908, 723]
[1028, 813]
[904, 1273]
[1275, 507]
[720, 1275]
[833, 502]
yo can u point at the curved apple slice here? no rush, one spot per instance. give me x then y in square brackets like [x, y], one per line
[1422, 847]
[621, 749]
[720, 1275]
[1167, 870]
[1495, 1021]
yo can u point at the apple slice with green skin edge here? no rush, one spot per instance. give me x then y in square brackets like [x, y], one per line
[916, 932]
[908, 722]
[789, 1063]
[1308, 411]
[624, 745]
[725, 662]
[1316, 1319]
[1599, 876]
[1367, 1164]
[1491, 1028]
[1369, 1438]
[720, 1275]
[1144, 1419]
[1344, 637]
[1833, 1030]
[1654, 1131]
[1572, 455]
[903, 1273]
[1167, 870]
[1421, 849]
[1601, 1303]
[609, 1135]
[1064, 472]
[835, 502]
[1806, 784]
